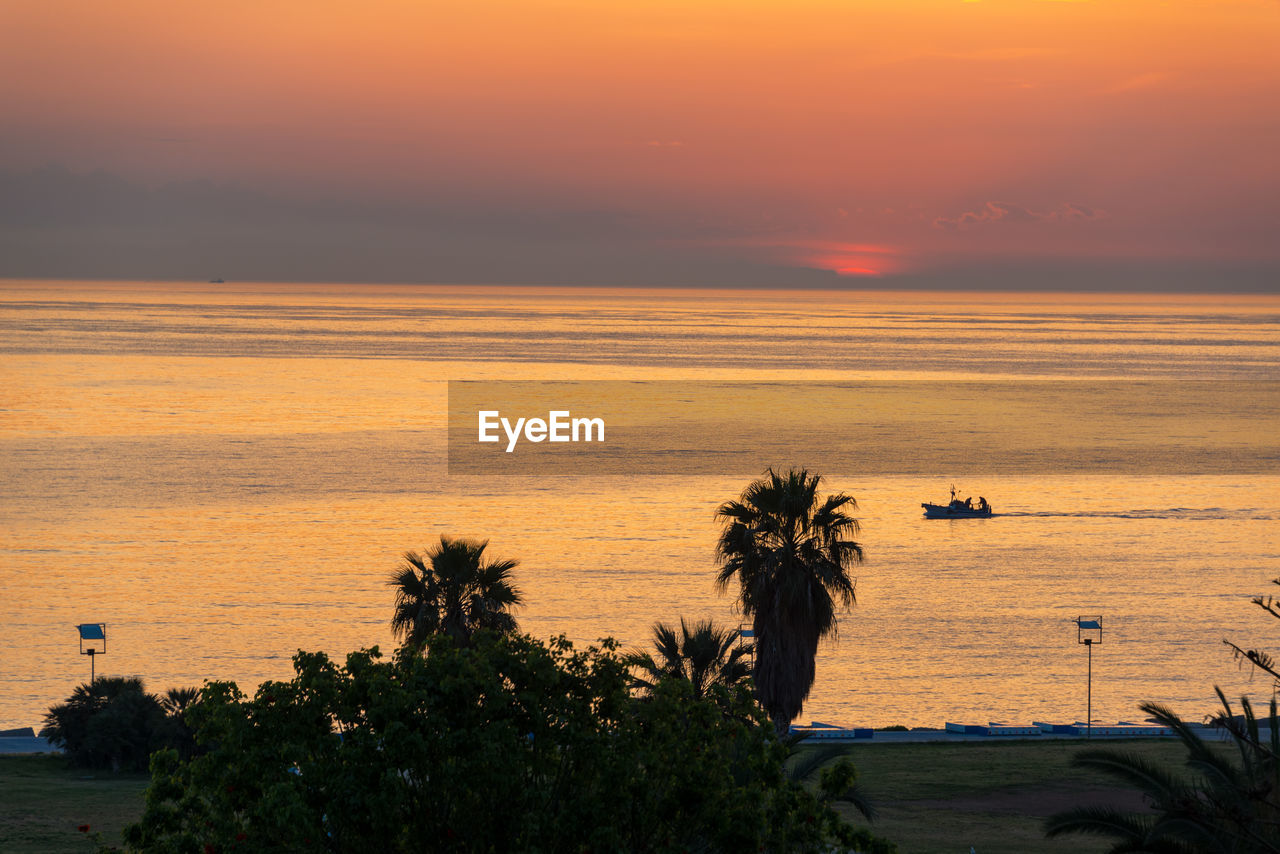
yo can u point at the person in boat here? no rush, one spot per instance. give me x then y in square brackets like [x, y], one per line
[983, 506]
[968, 503]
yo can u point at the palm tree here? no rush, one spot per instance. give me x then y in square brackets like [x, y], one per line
[174, 730]
[112, 723]
[176, 701]
[1225, 807]
[453, 590]
[703, 656]
[791, 553]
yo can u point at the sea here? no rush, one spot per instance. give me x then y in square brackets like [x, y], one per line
[225, 474]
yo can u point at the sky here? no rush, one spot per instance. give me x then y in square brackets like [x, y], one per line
[1006, 144]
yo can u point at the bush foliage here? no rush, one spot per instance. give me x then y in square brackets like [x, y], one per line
[509, 745]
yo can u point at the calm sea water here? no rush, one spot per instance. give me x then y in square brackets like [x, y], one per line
[225, 474]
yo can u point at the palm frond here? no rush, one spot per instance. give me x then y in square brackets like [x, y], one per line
[1160, 785]
[804, 765]
[1100, 821]
[1221, 808]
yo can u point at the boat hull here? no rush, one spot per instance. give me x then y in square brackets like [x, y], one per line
[943, 511]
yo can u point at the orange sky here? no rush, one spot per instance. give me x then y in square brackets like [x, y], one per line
[707, 137]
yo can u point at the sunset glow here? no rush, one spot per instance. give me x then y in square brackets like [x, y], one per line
[574, 138]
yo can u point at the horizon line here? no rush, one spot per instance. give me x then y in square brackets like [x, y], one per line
[843, 284]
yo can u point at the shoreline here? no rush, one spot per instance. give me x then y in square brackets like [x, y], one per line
[33, 744]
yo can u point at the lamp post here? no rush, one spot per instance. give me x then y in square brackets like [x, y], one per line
[745, 634]
[1089, 633]
[93, 633]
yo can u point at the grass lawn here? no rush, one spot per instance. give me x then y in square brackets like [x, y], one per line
[42, 802]
[940, 798]
[991, 796]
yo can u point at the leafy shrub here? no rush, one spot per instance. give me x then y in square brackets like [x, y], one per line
[509, 745]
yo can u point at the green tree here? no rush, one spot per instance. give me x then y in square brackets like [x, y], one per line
[704, 656]
[791, 553]
[454, 590]
[505, 745]
[1223, 806]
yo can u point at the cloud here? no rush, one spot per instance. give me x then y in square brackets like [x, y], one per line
[1150, 80]
[992, 212]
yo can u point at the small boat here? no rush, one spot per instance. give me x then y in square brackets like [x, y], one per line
[957, 509]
